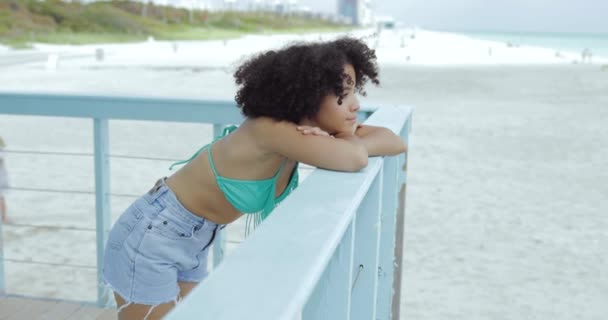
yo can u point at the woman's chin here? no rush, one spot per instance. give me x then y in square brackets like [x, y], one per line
[346, 130]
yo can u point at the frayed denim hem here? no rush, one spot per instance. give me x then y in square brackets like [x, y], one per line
[152, 305]
[128, 303]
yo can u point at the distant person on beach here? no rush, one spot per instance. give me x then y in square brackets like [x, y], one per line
[586, 55]
[3, 180]
[300, 105]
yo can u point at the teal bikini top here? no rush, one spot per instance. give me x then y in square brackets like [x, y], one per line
[254, 197]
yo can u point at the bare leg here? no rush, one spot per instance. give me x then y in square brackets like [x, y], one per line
[186, 287]
[136, 311]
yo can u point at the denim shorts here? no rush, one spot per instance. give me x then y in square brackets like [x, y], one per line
[154, 244]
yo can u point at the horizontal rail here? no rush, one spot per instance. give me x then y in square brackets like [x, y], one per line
[43, 226]
[63, 264]
[128, 108]
[120, 107]
[124, 195]
[46, 226]
[84, 154]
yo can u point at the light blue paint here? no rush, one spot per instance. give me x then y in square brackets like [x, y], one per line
[365, 263]
[130, 108]
[331, 299]
[102, 200]
[386, 261]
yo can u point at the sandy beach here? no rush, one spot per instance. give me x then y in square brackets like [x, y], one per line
[507, 195]
[507, 199]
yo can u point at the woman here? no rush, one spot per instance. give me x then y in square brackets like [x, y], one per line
[300, 105]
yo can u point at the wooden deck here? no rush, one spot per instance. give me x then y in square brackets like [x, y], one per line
[17, 308]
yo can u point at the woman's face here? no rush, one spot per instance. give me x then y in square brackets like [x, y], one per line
[340, 118]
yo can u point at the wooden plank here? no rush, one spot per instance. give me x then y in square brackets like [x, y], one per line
[87, 313]
[11, 306]
[17, 308]
[31, 309]
[60, 310]
[108, 314]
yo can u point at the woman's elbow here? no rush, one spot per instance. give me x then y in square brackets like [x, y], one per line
[403, 147]
[359, 162]
[399, 146]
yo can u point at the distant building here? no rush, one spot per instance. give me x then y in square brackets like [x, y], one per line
[358, 12]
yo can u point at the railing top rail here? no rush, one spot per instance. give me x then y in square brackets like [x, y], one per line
[274, 272]
[122, 107]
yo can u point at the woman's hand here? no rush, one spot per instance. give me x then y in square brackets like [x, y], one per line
[315, 131]
[380, 141]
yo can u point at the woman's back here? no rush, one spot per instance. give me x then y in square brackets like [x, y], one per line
[238, 156]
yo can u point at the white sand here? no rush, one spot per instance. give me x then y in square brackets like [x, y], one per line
[506, 198]
[399, 46]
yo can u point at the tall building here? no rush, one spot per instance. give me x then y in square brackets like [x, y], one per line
[359, 12]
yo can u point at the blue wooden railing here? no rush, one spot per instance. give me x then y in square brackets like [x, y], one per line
[332, 250]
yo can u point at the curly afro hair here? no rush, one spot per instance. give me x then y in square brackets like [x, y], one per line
[290, 83]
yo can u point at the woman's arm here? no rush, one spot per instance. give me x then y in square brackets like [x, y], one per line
[346, 153]
[380, 141]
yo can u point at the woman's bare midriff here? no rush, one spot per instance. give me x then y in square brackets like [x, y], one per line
[196, 188]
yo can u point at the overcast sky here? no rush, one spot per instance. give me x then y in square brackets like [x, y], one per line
[491, 15]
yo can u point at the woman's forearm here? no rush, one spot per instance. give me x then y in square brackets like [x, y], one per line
[380, 141]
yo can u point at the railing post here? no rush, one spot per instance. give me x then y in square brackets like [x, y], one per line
[364, 289]
[220, 238]
[2, 283]
[388, 219]
[400, 224]
[102, 201]
[331, 299]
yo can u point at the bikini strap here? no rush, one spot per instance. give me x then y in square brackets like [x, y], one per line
[227, 130]
[281, 167]
[189, 159]
[211, 161]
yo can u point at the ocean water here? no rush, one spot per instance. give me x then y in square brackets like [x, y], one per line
[572, 42]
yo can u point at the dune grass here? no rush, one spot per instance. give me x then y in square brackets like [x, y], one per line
[54, 21]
